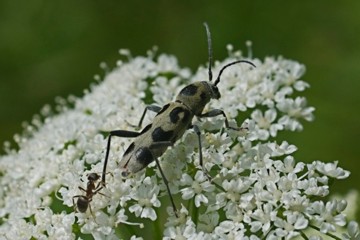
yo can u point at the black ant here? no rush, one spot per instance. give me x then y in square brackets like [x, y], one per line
[83, 201]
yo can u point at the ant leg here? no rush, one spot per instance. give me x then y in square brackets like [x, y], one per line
[74, 205]
[116, 133]
[217, 112]
[91, 212]
[97, 190]
[159, 145]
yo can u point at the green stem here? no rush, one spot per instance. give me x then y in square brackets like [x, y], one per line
[218, 186]
[329, 234]
[194, 211]
[157, 226]
[303, 235]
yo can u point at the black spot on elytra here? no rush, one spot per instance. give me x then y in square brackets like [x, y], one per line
[159, 135]
[163, 109]
[146, 128]
[189, 90]
[174, 114]
[186, 116]
[144, 156]
[129, 149]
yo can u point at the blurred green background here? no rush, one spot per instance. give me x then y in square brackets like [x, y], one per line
[54, 48]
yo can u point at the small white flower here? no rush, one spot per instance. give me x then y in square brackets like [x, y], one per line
[282, 149]
[353, 231]
[326, 215]
[123, 218]
[197, 187]
[294, 110]
[290, 226]
[262, 218]
[182, 232]
[331, 170]
[146, 197]
[208, 221]
[265, 128]
[230, 230]
[179, 220]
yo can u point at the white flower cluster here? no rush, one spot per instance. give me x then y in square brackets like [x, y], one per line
[257, 189]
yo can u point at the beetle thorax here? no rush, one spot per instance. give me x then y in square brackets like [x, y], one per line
[197, 95]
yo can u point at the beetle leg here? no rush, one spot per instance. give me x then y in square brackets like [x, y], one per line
[153, 108]
[167, 187]
[198, 133]
[116, 133]
[156, 145]
[217, 112]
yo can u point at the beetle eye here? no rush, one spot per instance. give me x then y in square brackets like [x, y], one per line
[215, 92]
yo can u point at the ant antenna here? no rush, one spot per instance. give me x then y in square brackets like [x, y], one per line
[228, 65]
[209, 49]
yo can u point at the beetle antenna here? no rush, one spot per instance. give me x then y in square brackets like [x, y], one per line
[228, 65]
[209, 49]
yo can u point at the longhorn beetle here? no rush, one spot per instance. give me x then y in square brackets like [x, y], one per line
[170, 123]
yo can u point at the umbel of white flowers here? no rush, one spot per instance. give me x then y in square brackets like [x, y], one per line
[259, 191]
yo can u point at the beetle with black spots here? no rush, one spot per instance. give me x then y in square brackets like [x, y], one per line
[170, 123]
